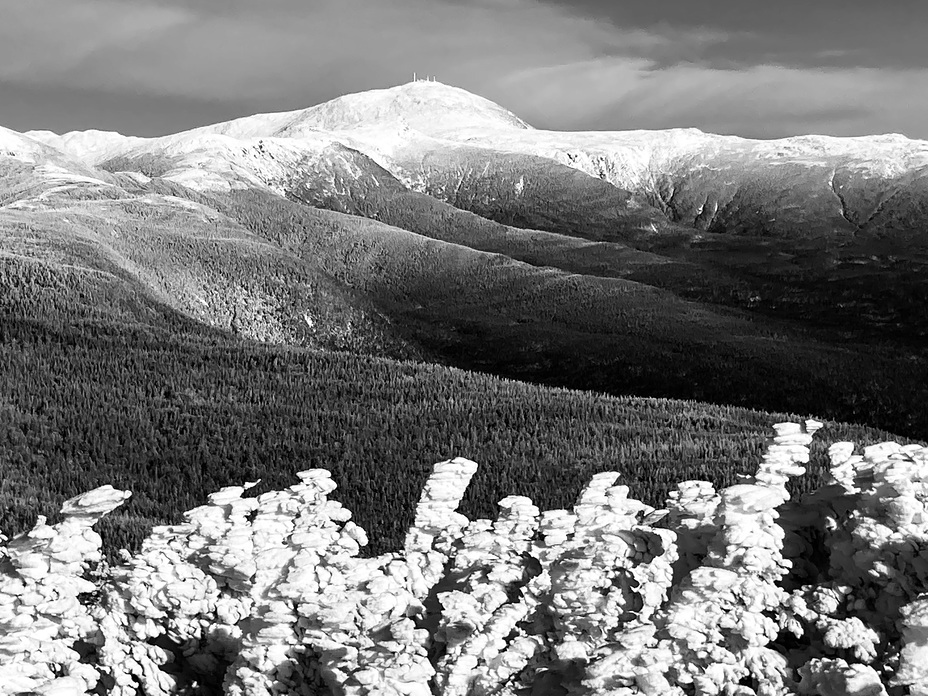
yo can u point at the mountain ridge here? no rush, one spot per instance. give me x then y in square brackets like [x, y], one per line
[401, 97]
[692, 177]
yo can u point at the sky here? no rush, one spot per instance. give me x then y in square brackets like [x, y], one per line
[755, 68]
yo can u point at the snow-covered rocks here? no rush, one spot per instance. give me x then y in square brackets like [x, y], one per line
[268, 594]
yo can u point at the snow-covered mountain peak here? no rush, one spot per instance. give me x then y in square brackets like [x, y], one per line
[410, 129]
[429, 107]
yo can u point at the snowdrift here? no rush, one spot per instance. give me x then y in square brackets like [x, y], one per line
[738, 592]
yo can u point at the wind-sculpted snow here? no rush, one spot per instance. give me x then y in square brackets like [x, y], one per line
[737, 592]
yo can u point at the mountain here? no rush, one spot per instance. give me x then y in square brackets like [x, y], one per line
[422, 221]
[431, 108]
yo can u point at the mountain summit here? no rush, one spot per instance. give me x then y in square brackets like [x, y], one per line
[432, 108]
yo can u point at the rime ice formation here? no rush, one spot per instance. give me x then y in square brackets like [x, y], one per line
[267, 595]
[715, 630]
[871, 607]
[45, 627]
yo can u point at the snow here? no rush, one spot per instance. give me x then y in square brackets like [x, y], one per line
[58, 174]
[211, 161]
[91, 146]
[408, 121]
[429, 107]
[637, 160]
[13, 144]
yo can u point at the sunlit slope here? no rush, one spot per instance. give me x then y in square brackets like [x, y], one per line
[751, 224]
[74, 242]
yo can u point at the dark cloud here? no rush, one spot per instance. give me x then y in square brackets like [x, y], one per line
[797, 33]
[762, 101]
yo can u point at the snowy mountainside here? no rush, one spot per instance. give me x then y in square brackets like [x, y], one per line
[341, 170]
[321, 171]
[92, 146]
[21, 149]
[628, 159]
[718, 183]
[31, 169]
[808, 185]
[671, 263]
[209, 161]
[89, 245]
[13, 144]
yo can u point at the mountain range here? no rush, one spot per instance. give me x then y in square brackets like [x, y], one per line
[423, 222]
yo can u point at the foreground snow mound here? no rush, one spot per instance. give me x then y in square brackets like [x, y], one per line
[737, 592]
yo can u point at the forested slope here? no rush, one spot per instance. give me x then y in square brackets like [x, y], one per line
[174, 411]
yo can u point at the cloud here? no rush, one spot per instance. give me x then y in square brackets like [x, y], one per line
[543, 61]
[50, 40]
[761, 101]
[796, 33]
[237, 49]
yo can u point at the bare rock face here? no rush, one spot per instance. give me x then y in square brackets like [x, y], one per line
[267, 594]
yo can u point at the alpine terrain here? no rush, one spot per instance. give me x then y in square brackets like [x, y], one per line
[183, 311]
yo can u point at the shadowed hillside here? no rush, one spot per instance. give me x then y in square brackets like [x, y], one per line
[173, 412]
